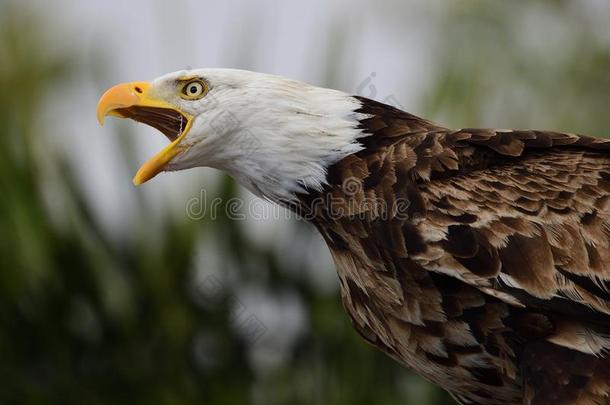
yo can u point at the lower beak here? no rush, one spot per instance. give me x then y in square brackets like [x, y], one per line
[134, 100]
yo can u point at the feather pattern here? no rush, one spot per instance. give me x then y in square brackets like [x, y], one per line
[480, 258]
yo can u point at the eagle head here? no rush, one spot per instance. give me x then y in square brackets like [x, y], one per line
[275, 136]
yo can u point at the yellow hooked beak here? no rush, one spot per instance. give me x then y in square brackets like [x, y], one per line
[134, 100]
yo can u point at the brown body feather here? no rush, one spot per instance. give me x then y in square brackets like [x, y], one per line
[478, 258]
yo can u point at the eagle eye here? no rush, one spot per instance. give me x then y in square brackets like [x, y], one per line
[194, 89]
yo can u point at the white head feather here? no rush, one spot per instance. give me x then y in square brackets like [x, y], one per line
[275, 136]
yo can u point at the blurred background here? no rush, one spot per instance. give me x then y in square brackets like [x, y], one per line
[116, 294]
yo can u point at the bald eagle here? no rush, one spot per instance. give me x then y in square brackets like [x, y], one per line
[480, 258]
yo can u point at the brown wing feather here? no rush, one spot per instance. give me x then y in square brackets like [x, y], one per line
[471, 255]
[556, 375]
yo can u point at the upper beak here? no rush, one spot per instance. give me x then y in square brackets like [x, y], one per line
[134, 100]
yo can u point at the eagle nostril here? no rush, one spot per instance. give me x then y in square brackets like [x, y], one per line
[138, 89]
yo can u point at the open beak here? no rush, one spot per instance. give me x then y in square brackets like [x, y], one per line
[133, 100]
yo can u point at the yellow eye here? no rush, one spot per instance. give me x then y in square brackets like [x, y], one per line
[194, 89]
